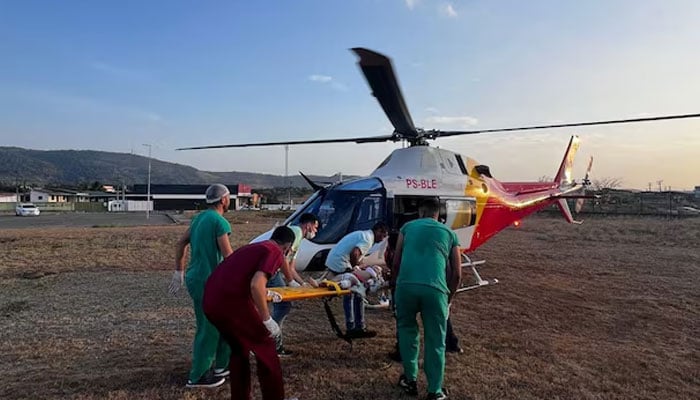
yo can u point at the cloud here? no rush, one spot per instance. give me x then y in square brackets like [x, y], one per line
[328, 80]
[448, 11]
[320, 78]
[462, 122]
[411, 3]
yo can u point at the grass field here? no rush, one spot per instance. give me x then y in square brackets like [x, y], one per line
[606, 310]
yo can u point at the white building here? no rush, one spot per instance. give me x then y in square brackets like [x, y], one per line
[8, 197]
[40, 195]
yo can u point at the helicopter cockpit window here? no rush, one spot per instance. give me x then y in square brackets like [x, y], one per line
[362, 184]
[345, 208]
[342, 212]
[370, 211]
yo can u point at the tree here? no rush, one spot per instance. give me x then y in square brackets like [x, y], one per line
[606, 183]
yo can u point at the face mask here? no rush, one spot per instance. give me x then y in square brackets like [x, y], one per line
[310, 235]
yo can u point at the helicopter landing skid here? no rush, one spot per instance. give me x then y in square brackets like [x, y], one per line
[478, 280]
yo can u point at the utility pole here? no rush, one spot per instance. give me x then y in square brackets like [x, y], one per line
[286, 173]
[17, 199]
[659, 182]
[148, 190]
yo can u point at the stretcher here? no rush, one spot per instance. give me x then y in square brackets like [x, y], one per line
[325, 289]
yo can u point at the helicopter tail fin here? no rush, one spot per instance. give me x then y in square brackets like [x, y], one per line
[564, 174]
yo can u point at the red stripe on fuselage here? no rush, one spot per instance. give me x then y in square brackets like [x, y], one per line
[498, 215]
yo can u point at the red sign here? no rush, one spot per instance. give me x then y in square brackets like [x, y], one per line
[243, 189]
[413, 183]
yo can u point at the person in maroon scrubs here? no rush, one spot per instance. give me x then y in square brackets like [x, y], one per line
[235, 301]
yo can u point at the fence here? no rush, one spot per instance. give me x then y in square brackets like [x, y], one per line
[59, 207]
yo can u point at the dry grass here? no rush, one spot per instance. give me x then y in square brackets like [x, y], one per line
[606, 310]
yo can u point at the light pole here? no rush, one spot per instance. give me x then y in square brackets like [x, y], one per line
[286, 173]
[148, 190]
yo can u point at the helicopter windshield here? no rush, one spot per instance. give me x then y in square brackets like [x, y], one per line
[348, 207]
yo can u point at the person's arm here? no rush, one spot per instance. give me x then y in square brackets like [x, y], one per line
[355, 256]
[258, 291]
[397, 260]
[180, 248]
[287, 270]
[224, 245]
[454, 277]
[293, 270]
[179, 275]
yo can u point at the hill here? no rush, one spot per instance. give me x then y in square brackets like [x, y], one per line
[76, 167]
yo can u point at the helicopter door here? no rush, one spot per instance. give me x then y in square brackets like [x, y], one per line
[369, 212]
[456, 213]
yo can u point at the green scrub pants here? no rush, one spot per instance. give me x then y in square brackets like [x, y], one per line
[208, 347]
[431, 303]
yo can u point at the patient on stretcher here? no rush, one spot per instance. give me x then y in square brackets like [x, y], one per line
[361, 279]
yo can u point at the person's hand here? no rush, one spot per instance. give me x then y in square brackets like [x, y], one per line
[177, 282]
[273, 328]
[293, 283]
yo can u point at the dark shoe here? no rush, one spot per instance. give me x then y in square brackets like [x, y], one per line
[282, 352]
[206, 381]
[409, 387]
[455, 349]
[221, 372]
[437, 396]
[395, 356]
[360, 334]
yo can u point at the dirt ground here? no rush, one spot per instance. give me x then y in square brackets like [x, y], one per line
[606, 310]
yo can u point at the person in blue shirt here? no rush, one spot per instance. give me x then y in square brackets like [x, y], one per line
[345, 257]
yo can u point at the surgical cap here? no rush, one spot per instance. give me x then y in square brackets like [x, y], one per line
[216, 192]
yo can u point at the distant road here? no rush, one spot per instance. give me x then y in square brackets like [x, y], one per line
[58, 220]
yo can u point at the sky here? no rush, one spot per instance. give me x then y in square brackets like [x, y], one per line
[113, 76]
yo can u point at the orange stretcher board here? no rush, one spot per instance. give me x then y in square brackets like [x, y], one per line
[325, 289]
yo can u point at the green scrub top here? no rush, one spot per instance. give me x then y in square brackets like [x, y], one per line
[427, 245]
[205, 255]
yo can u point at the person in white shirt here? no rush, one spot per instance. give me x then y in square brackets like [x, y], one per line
[345, 257]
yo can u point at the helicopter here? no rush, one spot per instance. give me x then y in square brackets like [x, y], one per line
[473, 202]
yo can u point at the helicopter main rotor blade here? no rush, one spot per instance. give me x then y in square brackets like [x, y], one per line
[371, 139]
[385, 87]
[432, 134]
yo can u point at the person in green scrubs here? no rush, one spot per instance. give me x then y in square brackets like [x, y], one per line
[208, 239]
[428, 273]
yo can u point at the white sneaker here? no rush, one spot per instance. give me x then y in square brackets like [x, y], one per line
[384, 302]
